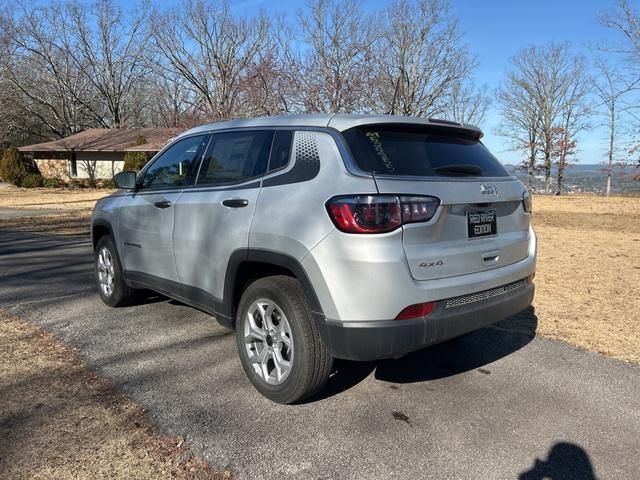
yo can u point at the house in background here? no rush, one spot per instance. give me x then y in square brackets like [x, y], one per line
[97, 152]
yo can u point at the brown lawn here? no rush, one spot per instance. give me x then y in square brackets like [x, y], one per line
[588, 274]
[71, 209]
[61, 421]
[51, 198]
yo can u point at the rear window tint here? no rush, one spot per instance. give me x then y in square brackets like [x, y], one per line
[418, 151]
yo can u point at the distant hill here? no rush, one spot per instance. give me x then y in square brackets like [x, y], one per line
[596, 168]
[584, 177]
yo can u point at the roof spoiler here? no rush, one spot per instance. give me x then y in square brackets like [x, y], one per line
[343, 122]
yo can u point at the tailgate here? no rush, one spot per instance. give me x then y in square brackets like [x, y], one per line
[445, 246]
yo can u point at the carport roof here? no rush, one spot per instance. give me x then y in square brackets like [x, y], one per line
[108, 140]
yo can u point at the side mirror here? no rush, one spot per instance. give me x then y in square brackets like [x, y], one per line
[125, 180]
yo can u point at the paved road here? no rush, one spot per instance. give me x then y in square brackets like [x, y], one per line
[493, 405]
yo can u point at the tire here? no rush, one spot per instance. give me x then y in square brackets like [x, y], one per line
[289, 335]
[109, 275]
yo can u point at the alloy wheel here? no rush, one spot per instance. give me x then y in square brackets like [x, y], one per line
[268, 341]
[106, 272]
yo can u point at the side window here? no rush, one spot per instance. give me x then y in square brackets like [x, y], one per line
[235, 156]
[281, 149]
[177, 166]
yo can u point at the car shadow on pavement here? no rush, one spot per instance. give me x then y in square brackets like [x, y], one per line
[566, 461]
[470, 352]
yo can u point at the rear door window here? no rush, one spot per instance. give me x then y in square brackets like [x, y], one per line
[408, 150]
[235, 156]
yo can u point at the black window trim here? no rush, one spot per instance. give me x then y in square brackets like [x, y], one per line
[293, 132]
[158, 155]
[342, 147]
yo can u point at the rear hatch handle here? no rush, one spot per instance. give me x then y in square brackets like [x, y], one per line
[490, 258]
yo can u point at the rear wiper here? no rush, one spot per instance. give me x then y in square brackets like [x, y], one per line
[459, 169]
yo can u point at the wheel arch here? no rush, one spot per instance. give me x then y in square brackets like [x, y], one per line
[100, 228]
[248, 265]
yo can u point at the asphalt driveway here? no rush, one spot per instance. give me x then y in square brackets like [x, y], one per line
[494, 405]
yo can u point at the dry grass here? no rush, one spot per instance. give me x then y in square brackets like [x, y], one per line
[50, 198]
[58, 420]
[588, 274]
[62, 224]
[71, 215]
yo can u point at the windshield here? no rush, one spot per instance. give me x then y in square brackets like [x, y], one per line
[418, 151]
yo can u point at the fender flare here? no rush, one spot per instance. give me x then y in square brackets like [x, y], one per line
[101, 222]
[269, 257]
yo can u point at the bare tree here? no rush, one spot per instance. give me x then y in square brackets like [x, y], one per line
[336, 68]
[521, 117]
[467, 105]
[562, 149]
[43, 82]
[171, 102]
[216, 53]
[611, 86]
[110, 50]
[554, 80]
[554, 71]
[422, 58]
[573, 118]
[73, 66]
[624, 19]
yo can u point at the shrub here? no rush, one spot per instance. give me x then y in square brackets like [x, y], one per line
[14, 167]
[75, 183]
[134, 161]
[52, 183]
[32, 180]
[107, 183]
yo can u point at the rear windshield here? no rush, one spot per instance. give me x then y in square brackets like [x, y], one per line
[418, 151]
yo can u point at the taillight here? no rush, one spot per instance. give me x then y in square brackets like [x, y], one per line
[379, 213]
[416, 311]
[527, 201]
[418, 209]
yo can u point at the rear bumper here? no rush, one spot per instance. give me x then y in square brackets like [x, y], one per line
[372, 340]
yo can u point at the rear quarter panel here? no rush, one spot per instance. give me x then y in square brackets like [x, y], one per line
[290, 216]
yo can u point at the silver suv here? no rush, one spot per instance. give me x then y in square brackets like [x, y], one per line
[322, 236]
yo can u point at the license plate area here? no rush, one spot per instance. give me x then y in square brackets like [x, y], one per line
[481, 223]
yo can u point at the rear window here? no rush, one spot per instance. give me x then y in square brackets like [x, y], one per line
[419, 151]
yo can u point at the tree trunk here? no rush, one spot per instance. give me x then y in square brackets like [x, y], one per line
[611, 143]
[532, 168]
[547, 172]
[560, 177]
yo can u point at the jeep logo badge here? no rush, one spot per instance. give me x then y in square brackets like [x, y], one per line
[488, 190]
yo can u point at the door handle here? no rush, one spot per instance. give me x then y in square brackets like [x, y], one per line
[163, 204]
[235, 202]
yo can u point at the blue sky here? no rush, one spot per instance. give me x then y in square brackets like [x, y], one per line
[494, 31]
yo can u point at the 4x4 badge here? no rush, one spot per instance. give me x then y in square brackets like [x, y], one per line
[435, 263]
[488, 190]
